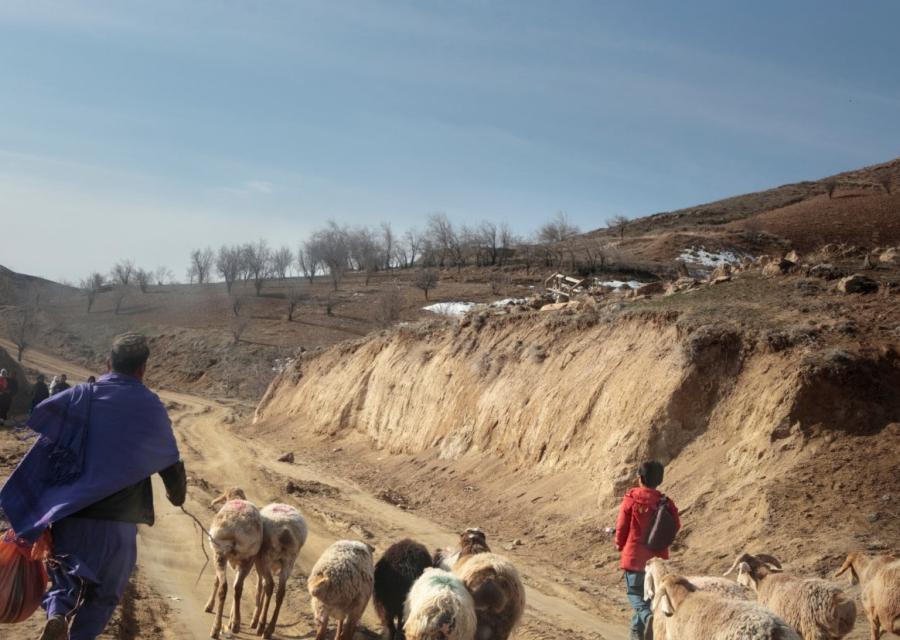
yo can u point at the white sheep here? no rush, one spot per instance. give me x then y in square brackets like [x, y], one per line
[690, 613]
[879, 577]
[235, 537]
[340, 584]
[497, 590]
[657, 569]
[284, 534]
[439, 607]
[815, 608]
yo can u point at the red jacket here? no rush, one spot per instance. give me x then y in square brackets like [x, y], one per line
[638, 507]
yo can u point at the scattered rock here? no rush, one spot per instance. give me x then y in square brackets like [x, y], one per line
[651, 288]
[826, 271]
[793, 256]
[287, 457]
[890, 256]
[873, 517]
[780, 268]
[721, 279]
[857, 283]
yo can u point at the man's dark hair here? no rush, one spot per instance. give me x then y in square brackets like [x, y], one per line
[651, 473]
[129, 353]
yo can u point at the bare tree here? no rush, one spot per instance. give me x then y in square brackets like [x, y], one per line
[413, 241]
[21, 328]
[123, 272]
[119, 294]
[365, 252]
[238, 327]
[389, 306]
[308, 261]
[442, 236]
[201, 264]
[332, 246]
[294, 297]
[557, 236]
[228, 264]
[143, 278]
[258, 259]
[498, 281]
[595, 256]
[885, 183]
[163, 275]
[618, 224]
[830, 186]
[426, 279]
[387, 246]
[91, 287]
[282, 259]
[507, 241]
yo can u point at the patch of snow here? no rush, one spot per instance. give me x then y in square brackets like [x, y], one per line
[505, 302]
[450, 308]
[615, 284]
[710, 258]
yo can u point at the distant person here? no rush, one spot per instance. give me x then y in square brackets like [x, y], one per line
[8, 388]
[636, 517]
[39, 392]
[59, 384]
[88, 479]
[91, 380]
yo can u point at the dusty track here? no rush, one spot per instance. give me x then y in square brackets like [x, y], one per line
[218, 455]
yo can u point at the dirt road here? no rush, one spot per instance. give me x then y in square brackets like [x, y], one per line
[217, 444]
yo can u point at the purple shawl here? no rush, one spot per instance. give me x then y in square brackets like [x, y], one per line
[95, 440]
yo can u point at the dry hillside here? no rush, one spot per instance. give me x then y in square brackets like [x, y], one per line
[773, 401]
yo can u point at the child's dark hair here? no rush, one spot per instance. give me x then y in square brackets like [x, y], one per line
[651, 473]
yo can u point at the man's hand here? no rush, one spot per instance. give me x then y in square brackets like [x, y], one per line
[175, 479]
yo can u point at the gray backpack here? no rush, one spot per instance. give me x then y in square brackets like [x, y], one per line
[662, 527]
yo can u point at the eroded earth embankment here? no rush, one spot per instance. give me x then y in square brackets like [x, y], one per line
[533, 426]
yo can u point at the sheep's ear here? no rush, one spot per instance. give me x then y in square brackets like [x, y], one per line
[848, 564]
[772, 567]
[665, 604]
[745, 576]
[648, 586]
[220, 500]
[737, 561]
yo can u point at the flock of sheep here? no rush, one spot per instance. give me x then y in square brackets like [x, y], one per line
[768, 604]
[462, 595]
[472, 593]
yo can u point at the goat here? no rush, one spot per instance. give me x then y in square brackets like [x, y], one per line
[471, 541]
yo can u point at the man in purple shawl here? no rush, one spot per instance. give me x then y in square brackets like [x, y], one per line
[88, 479]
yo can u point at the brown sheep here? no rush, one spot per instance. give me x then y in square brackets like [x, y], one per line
[815, 608]
[497, 590]
[879, 577]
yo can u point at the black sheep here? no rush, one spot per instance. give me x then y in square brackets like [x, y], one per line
[395, 573]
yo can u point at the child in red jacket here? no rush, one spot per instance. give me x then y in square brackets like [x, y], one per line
[635, 519]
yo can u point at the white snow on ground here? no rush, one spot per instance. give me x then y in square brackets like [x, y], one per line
[507, 301]
[710, 258]
[615, 284]
[451, 308]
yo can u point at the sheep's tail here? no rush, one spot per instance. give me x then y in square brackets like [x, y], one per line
[318, 586]
[845, 615]
[488, 595]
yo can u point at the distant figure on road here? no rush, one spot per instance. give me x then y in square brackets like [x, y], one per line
[88, 479]
[91, 380]
[58, 384]
[9, 386]
[636, 517]
[40, 392]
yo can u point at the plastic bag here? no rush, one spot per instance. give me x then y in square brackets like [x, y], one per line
[23, 576]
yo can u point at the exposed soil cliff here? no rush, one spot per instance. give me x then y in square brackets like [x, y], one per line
[765, 447]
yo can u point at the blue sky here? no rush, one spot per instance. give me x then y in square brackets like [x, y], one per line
[143, 128]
